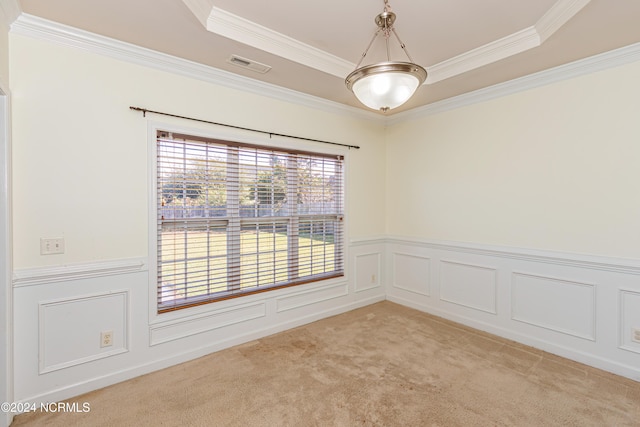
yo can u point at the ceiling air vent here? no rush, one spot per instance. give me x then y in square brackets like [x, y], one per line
[248, 63]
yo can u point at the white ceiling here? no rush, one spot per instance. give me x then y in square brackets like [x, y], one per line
[311, 46]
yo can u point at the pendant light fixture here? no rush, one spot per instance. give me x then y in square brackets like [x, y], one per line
[389, 84]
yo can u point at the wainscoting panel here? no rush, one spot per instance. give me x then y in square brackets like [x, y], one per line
[61, 311]
[367, 271]
[314, 296]
[65, 342]
[58, 327]
[169, 331]
[412, 273]
[468, 285]
[560, 305]
[630, 320]
[582, 307]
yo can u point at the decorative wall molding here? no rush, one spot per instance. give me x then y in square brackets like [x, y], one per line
[74, 366]
[616, 265]
[165, 343]
[407, 280]
[366, 241]
[469, 285]
[571, 305]
[367, 271]
[43, 275]
[545, 302]
[73, 385]
[48, 322]
[42, 29]
[169, 331]
[629, 319]
[64, 273]
[310, 297]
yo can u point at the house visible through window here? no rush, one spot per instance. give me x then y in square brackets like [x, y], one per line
[235, 219]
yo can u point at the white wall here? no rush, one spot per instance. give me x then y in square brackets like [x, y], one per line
[81, 172]
[519, 216]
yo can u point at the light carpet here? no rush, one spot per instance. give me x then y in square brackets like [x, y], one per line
[381, 365]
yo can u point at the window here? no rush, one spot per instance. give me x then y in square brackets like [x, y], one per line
[235, 219]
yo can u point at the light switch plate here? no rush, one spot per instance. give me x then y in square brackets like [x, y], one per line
[51, 246]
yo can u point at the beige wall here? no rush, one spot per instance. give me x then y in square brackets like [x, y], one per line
[554, 168]
[80, 155]
[4, 49]
[551, 168]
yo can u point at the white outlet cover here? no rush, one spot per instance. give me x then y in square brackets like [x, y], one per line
[106, 339]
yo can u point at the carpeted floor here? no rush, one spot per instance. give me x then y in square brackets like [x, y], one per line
[382, 365]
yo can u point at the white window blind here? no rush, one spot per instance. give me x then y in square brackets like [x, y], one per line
[235, 219]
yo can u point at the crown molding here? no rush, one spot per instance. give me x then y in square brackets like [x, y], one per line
[10, 10]
[200, 8]
[559, 14]
[603, 61]
[492, 52]
[244, 31]
[42, 29]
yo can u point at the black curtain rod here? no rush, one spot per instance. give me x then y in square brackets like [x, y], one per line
[145, 111]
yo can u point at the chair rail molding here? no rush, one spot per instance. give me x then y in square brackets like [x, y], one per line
[596, 262]
[43, 275]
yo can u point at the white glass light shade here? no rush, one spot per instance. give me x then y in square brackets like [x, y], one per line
[386, 85]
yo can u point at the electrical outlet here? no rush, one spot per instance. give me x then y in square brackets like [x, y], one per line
[51, 246]
[106, 339]
[635, 335]
[373, 278]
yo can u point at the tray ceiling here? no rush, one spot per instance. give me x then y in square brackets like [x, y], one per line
[465, 45]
